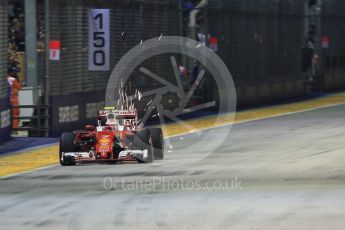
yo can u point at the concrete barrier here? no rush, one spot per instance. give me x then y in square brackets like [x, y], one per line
[269, 92]
[5, 121]
[74, 111]
[334, 79]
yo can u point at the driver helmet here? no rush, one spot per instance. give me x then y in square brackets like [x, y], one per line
[111, 119]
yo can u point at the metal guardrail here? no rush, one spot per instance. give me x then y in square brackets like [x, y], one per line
[39, 121]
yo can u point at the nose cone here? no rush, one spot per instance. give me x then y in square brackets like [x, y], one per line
[104, 155]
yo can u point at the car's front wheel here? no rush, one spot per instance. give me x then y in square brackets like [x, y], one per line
[157, 143]
[142, 141]
[66, 145]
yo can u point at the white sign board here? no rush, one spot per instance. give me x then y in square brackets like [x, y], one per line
[54, 54]
[99, 35]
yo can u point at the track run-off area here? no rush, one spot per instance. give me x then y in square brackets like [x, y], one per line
[280, 167]
[44, 156]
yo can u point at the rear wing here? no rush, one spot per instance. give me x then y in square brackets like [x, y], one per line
[128, 114]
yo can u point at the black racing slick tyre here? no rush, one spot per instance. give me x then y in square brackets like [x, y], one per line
[142, 141]
[66, 145]
[157, 143]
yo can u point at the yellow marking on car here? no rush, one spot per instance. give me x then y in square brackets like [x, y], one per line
[104, 140]
[109, 108]
[45, 156]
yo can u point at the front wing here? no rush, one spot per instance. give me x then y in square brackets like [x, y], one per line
[125, 155]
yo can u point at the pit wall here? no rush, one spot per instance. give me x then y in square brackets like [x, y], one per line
[334, 79]
[74, 111]
[5, 121]
[260, 93]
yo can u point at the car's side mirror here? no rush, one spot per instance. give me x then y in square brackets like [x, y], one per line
[102, 121]
[89, 127]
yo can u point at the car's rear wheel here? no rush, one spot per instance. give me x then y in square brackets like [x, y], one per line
[157, 143]
[142, 141]
[67, 145]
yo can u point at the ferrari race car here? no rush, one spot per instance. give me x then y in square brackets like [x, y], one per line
[117, 137]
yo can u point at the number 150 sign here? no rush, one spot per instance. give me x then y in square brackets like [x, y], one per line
[99, 39]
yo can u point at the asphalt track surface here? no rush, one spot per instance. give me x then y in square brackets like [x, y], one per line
[286, 172]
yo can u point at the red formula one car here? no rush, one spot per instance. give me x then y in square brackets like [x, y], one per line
[116, 138]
